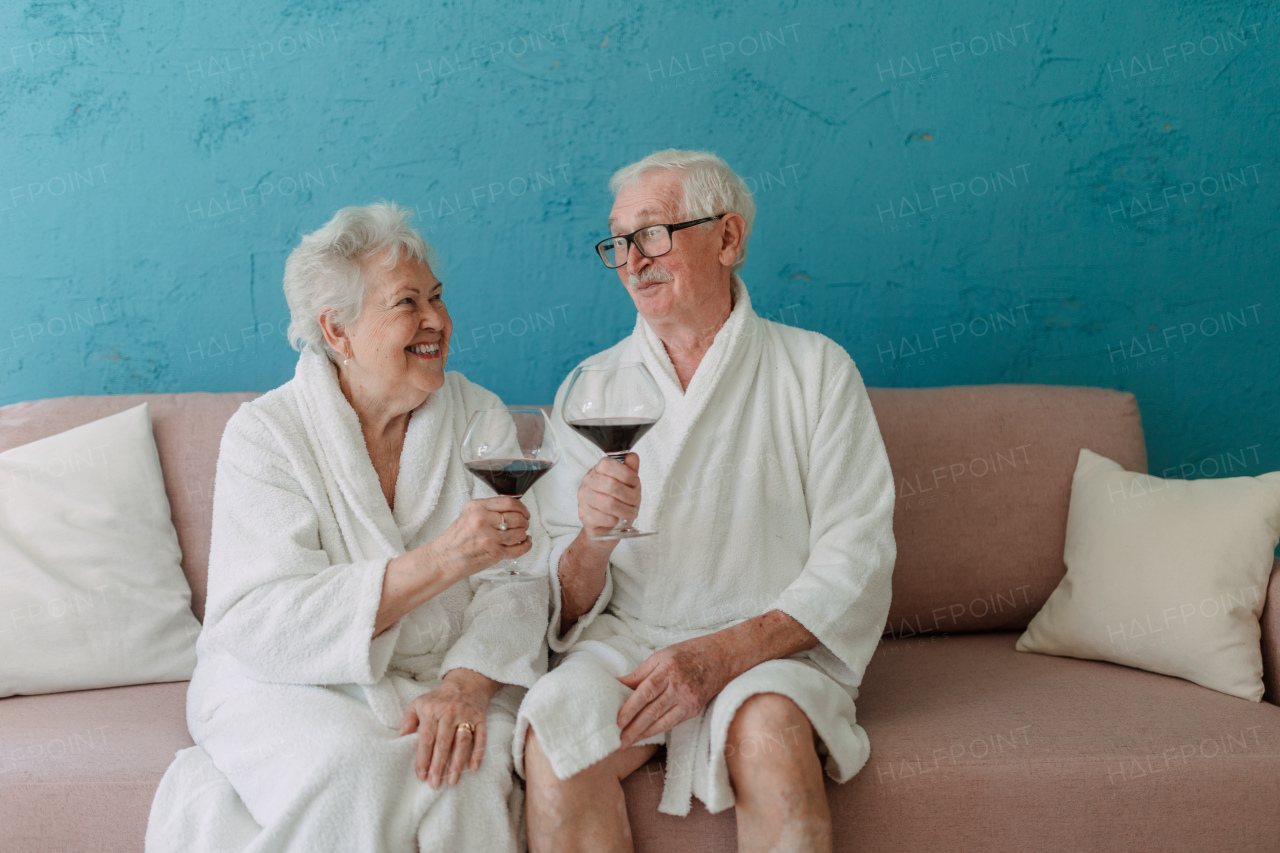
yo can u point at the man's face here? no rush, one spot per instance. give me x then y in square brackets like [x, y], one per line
[675, 283]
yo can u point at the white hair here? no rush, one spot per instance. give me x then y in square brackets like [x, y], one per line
[710, 187]
[326, 272]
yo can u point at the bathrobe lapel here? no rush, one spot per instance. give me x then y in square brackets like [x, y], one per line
[729, 363]
[735, 353]
[369, 528]
[338, 446]
[423, 469]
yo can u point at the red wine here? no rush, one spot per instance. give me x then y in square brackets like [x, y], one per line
[511, 477]
[614, 435]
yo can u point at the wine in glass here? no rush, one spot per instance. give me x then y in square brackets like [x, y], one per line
[509, 449]
[613, 405]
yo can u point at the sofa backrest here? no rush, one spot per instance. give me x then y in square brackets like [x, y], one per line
[188, 429]
[983, 478]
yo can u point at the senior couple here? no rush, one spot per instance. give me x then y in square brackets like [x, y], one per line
[360, 688]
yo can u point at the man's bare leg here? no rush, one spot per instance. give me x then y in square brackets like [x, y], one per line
[777, 779]
[587, 811]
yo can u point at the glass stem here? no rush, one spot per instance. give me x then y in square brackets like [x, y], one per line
[623, 526]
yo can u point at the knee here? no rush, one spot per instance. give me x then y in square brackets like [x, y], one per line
[769, 727]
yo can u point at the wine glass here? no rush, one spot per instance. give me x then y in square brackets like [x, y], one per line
[509, 449]
[613, 405]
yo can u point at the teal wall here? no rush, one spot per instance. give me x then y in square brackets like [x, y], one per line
[957, 192]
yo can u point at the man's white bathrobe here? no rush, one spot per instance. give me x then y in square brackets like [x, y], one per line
[769, 488]
[294, 706]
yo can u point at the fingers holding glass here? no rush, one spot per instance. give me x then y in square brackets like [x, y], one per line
[613, 406]
[509, 449]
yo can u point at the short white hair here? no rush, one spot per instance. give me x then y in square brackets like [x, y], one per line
[710, 187]
[327, 270]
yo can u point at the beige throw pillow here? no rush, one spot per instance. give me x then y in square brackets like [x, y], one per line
[1169, 576]
[91, 586]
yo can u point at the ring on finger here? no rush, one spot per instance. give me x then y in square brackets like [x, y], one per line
[503, 524]
[466, 726]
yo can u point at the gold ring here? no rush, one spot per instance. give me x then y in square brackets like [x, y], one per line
[503, 524]
[466, 726]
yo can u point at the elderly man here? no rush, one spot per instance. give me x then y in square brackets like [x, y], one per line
[737, 635]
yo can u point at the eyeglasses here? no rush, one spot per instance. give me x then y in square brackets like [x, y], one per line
[653, 241]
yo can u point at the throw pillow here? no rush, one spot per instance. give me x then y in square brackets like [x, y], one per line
[1169, 576]
[91, 587]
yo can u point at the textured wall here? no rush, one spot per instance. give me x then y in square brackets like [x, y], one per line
[957, 192]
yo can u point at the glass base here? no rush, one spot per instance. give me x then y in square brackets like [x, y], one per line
[624, 533]
[505, 571]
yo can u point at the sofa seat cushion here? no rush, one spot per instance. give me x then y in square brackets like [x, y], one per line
[78, 770]
[976, 746]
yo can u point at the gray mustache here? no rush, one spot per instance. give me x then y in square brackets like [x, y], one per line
[650, 274]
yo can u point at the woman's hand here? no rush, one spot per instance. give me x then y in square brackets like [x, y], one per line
[475, 540]
[462, 697]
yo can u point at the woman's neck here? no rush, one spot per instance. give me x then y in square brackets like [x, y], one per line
[381, 419]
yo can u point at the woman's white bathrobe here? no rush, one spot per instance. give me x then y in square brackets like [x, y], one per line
[769, 488]
[294, 707]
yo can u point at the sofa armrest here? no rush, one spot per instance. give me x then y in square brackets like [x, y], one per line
[1271, 638]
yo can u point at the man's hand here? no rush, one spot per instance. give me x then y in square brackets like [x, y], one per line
[673, 685]
[609, 491]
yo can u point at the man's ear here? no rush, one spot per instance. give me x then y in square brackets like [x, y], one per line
[735, 227]
[334, 335]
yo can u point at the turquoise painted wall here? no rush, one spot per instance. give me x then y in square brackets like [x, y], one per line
[957, 192]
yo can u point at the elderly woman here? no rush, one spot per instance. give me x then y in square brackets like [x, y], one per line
[357, 683]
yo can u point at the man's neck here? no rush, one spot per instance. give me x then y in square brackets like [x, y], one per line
[688, 339]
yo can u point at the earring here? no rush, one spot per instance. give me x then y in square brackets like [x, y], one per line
[345, 362]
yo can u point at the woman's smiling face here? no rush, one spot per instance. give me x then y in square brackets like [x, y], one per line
[400, 343]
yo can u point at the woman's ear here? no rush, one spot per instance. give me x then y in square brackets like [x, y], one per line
[334, 335]
[731, 243]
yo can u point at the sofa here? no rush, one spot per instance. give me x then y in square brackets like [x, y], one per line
[974, 746]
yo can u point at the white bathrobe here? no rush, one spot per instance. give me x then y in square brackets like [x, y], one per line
[294, 707]
[769, 488]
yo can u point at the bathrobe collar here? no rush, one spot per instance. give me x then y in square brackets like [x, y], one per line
[709, 371]
[734, 352]
[371, 529]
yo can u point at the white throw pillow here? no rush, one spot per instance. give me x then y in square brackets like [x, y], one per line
[91, 587]
[1169, 576]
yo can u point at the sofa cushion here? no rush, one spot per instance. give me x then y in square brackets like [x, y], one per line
[983, 474]
[971, 742]
[188, 429]
[977, 747]
[78, 770]
[1167, 575]
[1270, 625]
[90, 568]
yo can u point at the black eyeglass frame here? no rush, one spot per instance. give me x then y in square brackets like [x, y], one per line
[630, 238]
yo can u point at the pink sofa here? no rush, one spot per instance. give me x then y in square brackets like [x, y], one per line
[974, 746]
